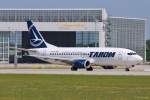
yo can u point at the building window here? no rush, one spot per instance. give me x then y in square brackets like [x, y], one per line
[87, 39]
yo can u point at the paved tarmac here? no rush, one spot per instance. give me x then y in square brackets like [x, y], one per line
[138, 70]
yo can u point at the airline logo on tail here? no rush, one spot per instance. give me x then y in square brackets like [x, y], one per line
[35, 38]
[36, 41]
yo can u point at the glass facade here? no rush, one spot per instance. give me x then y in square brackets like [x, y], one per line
[51, 15]
[87, 39]
[4, 47]
[7, 45]
[127, 33]
[13, 38]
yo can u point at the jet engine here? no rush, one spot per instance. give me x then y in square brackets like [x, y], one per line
[81, 64]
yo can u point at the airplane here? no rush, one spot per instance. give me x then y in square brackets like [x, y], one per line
[79, 57]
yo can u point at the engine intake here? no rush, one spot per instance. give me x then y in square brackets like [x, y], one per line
[82, 64]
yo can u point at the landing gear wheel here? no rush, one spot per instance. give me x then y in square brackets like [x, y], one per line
[74, 68]
[133, 65]
[109, 67]
[89, 69]
[127, 69]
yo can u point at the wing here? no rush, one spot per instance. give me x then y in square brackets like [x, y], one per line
[23, 49]
[25, 52]
[64, 60]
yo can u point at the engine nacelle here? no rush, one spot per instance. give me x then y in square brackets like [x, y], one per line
[81, 64]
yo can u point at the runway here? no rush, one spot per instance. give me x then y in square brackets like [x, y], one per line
[69, 72]
[138, 70]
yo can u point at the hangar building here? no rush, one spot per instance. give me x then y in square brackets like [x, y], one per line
[63, 28]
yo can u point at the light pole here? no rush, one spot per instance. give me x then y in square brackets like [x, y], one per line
[15, 57]
[14, 36]
[95, 21]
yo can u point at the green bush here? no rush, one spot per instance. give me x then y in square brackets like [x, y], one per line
[148, 50]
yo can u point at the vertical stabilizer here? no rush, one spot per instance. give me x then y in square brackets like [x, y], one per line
[35, 38]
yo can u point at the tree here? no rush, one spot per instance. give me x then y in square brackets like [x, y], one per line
[148, 50]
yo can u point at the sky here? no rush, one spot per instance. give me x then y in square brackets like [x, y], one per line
[125, 8]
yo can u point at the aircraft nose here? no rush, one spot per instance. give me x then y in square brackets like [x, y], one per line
[139, 59]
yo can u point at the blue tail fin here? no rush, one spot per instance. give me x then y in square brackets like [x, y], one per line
[35, 37]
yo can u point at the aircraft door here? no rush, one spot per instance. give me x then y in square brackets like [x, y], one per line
[120, 56]
[44, 52]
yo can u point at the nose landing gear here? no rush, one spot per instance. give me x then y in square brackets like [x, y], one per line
[127, 69]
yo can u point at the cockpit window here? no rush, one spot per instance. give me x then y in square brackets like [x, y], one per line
[132, 53]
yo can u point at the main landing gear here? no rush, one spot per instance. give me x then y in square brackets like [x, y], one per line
[109, 67]
[127, 69]
[73, 68]
[89, 69]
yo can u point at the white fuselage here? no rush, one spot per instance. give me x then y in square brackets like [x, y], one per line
[96, 56]
[78, 57]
